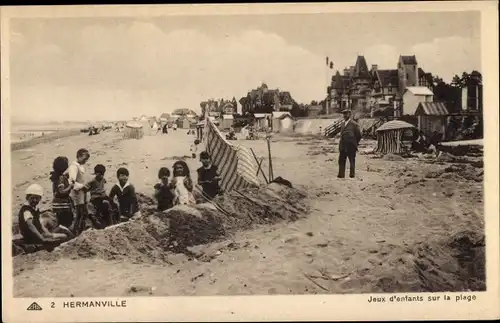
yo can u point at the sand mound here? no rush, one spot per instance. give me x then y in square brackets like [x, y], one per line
[456, 263]
[203, 223]
[146, 239]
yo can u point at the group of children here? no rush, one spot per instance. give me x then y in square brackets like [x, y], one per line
[70, 192]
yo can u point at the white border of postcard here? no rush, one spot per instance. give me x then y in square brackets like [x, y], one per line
[268, 308]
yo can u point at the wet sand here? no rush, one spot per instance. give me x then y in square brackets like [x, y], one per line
[365, 234]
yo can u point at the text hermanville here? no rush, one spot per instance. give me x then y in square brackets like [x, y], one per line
[91, 304]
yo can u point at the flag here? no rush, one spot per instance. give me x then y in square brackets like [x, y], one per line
[327, 61]
[331, 65]
[236, 164]
[334, 128]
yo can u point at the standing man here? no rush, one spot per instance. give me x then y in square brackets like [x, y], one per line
[350, 135]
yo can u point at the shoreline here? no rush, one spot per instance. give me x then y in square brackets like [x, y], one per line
[43, 139]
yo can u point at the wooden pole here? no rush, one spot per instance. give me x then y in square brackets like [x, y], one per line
[260, 168]
[271, 175]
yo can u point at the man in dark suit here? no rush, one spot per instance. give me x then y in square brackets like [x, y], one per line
[350, 135]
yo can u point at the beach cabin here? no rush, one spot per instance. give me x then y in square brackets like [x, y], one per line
[281, 121]
[261, 120]
[227, 121]
[183, 123]
[432, 117]
[414, 95]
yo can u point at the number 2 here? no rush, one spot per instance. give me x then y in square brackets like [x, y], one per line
[52, 305]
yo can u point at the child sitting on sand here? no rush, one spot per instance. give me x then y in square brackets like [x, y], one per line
[31, 226]
[208, 176]
[98, 196]
[182, 184]
[194, 148]
[128, 204]
[163, 192]
[62, 206]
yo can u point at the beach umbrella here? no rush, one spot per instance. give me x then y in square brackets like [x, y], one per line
[389, 137]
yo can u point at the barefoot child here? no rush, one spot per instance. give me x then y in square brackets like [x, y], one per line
[163, 192]
[76, 172]
[62, 205]
[31, 226]
[208, 176]
[182, 184]
[128, 204]
[98, 196]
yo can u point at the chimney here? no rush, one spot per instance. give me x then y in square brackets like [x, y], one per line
[346, 71]
[374, 67]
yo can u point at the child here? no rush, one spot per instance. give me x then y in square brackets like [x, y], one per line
[182, 184]
[62, 205]
[76, 172]
[163, 193]
[98, 196]
[125, 192]
[208, 176]
[30, 224]
[194, 148]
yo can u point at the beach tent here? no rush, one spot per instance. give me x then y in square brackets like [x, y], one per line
[390, 135]
[133, 130]
[277, 116]
[284, 122]
[146, 127]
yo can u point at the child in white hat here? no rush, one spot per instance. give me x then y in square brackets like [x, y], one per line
[33, 229]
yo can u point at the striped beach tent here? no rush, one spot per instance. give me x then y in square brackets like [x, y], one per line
[236, 164]
[390, 135]
[333, 129]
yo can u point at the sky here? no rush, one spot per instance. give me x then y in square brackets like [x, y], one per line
[116, 68]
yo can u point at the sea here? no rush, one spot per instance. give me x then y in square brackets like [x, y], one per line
[22, 132]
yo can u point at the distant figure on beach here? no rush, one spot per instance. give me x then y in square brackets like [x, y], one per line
[128, 205]
[182, 184]
[421, 144]
[165, 128]
[163, 192]
[76, 173]
[208, 176]
[32, 227]
[350, 136]
[175, 126]
[62, 205]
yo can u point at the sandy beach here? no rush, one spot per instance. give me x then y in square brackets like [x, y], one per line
[403, 225]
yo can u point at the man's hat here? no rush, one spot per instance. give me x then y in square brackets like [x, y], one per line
[346, 111]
